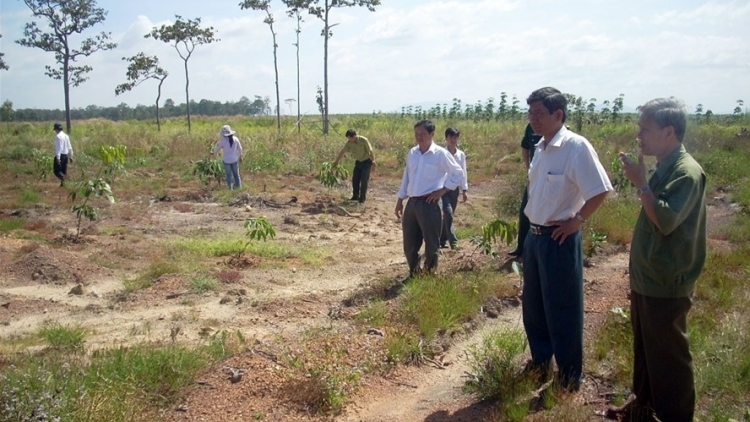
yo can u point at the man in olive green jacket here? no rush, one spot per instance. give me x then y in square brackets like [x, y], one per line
[667, 255]
[364, 159]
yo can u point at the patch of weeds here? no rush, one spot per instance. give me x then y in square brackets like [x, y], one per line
[440, 304]
[150, 275]
[64, 338]
[229, 276]
[29, 195]
[615, 219]
[494, 373]
[375, 313]
[404, 346]
[7, 225]
[612, 347]
[203, 283]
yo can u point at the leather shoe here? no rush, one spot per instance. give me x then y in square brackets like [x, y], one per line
[515, 253]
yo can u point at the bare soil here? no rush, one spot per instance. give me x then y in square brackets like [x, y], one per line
[272, 306]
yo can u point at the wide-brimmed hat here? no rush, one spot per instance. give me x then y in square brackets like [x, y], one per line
[57, 126]
[226, 131]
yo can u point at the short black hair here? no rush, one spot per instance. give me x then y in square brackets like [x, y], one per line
[57, 126]
[426, 124]
[452, 131]
[551, 98]
[350, 133]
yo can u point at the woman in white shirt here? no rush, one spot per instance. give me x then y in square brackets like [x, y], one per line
[231, 155]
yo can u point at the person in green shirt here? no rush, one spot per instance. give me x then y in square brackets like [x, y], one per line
[667, 255]
[359, 147]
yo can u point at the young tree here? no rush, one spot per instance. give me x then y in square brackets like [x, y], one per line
[321, 9]
[140, 69]
[184, 36]
[738, 110]
[7, 114]
[3, 66]
[66, 18]
[265, 5]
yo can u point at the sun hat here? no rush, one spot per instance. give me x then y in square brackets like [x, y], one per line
[226, 131]
[57, 126]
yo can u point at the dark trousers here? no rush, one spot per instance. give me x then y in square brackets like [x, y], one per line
[663, 367]
[420, 223]
[553, 303]
[523, 221]
[360, 179]
[60, 168]
[450, 202]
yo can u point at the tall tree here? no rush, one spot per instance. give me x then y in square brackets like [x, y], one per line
[66, 18]
[184, 36]
[265, 5]
[141, 69]
[3, 66]
[321, 10]
[297, 31]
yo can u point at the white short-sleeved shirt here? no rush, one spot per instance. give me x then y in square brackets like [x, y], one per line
[460, 157]
[62, 145]
[230, 153]
[562, 177]
[428, 172]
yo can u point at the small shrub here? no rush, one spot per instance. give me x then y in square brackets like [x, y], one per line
[63, 338]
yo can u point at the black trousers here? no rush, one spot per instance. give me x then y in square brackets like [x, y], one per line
[360, 179]
[663, 367]
[60, 168]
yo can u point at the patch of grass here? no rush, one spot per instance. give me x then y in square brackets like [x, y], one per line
[147, 278]
[29, 195]
[616, 218]
[440, 304]
[203, 283]
[8, 224]
[375, 313]
[124, 384]
[495, 373]
[610, 353]
[65, 338]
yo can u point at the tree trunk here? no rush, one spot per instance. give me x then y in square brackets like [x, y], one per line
[299, 115]
[276, 71]
[187, 94]
[66, 88]
[325, 71]
[158, 96]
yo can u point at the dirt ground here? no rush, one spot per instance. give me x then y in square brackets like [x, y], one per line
[81, 282]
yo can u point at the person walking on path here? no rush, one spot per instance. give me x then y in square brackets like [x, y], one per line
[431, 171]
[567, 184]
[364, 159]
[667, 254]
[528, 146]
[450, 199]
[231, 155]
[63, 153]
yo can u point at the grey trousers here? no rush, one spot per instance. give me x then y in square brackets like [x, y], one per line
[421, 223]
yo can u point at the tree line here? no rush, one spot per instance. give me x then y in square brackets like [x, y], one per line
[244, 107]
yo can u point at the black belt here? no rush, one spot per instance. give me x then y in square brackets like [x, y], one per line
[420, 198]
[537, 230]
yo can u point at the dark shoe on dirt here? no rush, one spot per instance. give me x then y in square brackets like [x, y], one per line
[454, 246]
[444, 246]
[516, 253]
[354, 198]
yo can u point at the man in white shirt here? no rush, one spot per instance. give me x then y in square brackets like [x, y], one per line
[63, 153]
[430, 172]
[450, 199]
[567, 183]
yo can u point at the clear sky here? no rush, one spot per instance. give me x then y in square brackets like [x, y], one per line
[413, 52]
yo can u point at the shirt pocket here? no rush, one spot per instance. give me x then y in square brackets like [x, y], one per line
[554, 185]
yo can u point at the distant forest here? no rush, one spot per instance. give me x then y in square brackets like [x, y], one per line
[245, 107]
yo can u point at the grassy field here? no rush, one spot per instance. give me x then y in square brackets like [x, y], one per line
[52, 374]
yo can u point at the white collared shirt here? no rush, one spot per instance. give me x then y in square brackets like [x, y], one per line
[230, 154]
[62, 145]
[428, 172]
[460, 157]
[562, 177]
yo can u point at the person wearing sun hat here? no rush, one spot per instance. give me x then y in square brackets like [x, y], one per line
[63, 153]
[231, 149]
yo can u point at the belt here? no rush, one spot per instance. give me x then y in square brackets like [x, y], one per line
[538, 230]
[420, 198]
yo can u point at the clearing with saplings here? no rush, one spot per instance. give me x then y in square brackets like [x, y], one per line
[181, 300]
